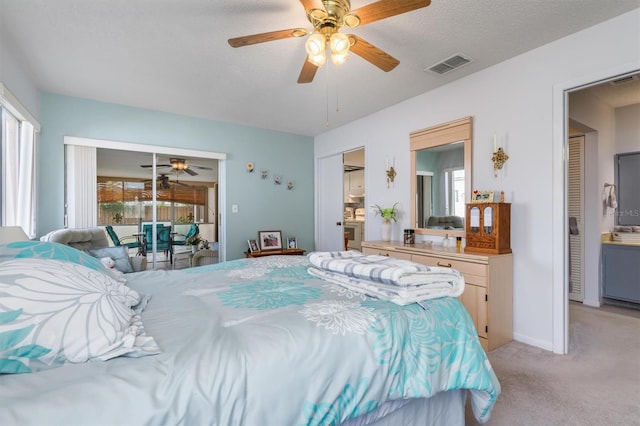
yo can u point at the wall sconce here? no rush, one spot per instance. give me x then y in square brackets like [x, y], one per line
[391, 173]
[498, 158]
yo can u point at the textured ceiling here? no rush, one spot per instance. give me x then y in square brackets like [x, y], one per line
[172, 55]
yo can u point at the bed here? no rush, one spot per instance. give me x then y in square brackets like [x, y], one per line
[245, 342]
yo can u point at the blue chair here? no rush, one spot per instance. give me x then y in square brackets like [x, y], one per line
[163, 241]
[121, 241]
[193, 230]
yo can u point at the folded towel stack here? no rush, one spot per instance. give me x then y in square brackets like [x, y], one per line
[399, 281]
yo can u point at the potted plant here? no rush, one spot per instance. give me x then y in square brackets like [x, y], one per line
[193, 241]
[388, 214]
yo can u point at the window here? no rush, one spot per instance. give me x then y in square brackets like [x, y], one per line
[454, 190]
[129, 202]
[17, 157]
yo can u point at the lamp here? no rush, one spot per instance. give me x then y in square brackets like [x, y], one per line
[316, 47]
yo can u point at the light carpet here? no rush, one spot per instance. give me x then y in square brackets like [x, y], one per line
[596, 383]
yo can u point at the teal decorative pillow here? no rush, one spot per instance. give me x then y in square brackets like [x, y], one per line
[57, 311]
[48, 250]
[119, 254]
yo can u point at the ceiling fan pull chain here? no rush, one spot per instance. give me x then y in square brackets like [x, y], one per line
[337, 91]
[327, 102]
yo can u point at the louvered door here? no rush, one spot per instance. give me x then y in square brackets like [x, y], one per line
[576, 210]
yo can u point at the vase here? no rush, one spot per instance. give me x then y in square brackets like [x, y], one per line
[386, 231]
[194, 249]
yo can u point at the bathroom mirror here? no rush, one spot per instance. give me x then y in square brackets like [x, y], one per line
[441, 183]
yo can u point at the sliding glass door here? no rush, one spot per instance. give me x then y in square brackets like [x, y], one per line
[138, 194]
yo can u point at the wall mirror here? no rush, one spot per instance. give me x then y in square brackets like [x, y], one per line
[441, 183]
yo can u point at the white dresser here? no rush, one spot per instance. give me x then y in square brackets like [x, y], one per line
[488, 294]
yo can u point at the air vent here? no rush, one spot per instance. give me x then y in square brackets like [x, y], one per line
[624, 80]
[449, 64]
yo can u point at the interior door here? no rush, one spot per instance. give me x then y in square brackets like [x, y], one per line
[329, 208]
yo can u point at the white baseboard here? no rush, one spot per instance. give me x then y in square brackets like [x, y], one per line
[592, 302]
[542, 344]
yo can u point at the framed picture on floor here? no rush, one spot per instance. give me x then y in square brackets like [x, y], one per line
[270, 240]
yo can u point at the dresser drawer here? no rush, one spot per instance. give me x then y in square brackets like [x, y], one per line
[383, 252]
[477, 270]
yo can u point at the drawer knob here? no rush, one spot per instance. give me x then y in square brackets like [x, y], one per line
[445, 265]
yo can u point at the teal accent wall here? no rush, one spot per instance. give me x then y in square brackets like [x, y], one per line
[262, 204]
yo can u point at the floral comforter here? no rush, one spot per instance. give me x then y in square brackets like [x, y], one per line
[260, 341]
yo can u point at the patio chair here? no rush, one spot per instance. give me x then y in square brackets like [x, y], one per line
[194, 229]
[117, 241]
[163, 242]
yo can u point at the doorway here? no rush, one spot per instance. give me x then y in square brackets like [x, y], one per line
[600, 167]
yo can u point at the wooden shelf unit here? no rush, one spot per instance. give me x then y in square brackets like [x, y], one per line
[488, 293]
[287, 252]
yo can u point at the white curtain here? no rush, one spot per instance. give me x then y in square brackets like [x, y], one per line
[19, 174]
[27, 180]
[81, 178]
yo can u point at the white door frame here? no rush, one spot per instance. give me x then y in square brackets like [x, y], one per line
[559, 237]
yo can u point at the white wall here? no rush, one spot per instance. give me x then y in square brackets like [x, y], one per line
[517, 99]
[16, 79]
[628, 129]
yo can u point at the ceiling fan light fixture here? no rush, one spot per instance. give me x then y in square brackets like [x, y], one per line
[315, 45]
[339, 44]
[339, 58]
[318, 60]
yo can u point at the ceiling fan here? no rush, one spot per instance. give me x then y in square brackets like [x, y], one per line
[327, 18]
[164, 182]
[179, 165]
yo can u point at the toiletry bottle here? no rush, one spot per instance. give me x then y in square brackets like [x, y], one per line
[445, 241]
[458, 243]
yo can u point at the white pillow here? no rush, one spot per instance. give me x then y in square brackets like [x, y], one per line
[57, 311]
[119, 254]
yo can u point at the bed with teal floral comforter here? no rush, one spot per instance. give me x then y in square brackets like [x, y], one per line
[262, 342]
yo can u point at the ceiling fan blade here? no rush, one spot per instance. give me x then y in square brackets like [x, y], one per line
[369, 52]
[157, 165]
[190, 172]
[312, 4]
[307, 73]
[264, 37]
[386, 8]
[200, 167]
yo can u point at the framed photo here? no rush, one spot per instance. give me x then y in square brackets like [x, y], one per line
[270, 240]
[482, 196]
[253, 246]
[292, 243]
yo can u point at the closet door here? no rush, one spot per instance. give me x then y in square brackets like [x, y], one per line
[576, 218]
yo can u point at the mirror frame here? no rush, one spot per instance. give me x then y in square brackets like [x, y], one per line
[442, 134]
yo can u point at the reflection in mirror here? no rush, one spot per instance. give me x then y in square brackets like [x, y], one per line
[440, 187]
[441, 164]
